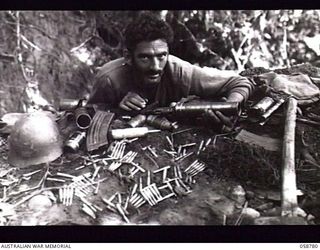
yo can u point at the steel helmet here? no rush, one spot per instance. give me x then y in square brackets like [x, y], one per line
[34, 139]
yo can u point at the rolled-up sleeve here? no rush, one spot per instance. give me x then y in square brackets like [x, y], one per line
[210, 82]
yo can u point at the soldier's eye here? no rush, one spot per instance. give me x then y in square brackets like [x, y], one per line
[143, 56]
[162, 56]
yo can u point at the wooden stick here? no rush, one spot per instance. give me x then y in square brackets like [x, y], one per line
[289, 203]
[309, 122]
[31, 173]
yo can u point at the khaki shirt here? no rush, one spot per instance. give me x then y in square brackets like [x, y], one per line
[180, 79]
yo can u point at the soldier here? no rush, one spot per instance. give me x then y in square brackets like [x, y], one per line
[148, 73]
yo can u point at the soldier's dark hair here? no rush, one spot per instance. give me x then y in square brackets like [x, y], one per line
[147, 27]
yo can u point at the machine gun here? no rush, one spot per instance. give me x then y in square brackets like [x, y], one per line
[196, 108]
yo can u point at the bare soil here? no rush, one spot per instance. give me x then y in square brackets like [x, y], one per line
[228, 162]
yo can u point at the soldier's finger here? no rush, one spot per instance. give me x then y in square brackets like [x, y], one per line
[225, 120]
[137, 101]
[124, 107]
[140, 99]
[212, 115]
[136, 96]
[224, 99]
[132, 106]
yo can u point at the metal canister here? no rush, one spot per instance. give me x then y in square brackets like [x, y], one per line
[74, 142]
[68, 104]
[270, 111]
[71, 104]
[260, 108]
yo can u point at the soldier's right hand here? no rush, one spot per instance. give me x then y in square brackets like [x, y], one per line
[132, 101]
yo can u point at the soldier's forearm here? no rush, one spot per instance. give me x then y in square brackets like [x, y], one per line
[235, 97]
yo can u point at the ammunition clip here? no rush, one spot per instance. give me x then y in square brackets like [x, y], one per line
[97, 133]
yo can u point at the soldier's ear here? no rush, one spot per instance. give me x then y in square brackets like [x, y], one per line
[127, 56]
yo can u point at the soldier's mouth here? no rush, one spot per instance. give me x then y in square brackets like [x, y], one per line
[154, 76]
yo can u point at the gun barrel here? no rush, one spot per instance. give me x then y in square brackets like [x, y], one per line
[228, 108]
[83, 118]
[161, 111]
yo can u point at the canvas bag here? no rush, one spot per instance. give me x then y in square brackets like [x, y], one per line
[300, 86]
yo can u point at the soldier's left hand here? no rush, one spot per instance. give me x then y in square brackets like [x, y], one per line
[219, 118]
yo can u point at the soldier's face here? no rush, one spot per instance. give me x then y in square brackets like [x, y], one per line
[149, 60]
